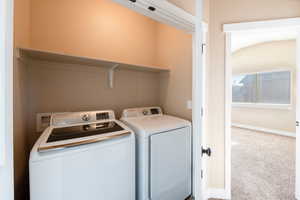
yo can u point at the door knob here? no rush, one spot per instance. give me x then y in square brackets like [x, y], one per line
[297, 123]
[206, 151]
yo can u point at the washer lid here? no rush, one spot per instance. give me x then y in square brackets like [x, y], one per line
[81, 131]
[148, 125]
[63, 137]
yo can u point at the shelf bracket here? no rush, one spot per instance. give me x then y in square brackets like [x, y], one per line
[111, 75]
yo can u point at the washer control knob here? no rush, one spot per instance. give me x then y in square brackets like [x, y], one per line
[145, 112]
[85, 117]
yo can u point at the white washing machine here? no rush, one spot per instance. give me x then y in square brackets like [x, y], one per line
[83, 155]
[164, 164]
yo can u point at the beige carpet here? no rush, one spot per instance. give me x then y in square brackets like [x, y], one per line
[263, 166]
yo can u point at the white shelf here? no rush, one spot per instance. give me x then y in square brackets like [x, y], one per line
[65, 58]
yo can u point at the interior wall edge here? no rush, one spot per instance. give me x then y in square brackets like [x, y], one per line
[22, 36]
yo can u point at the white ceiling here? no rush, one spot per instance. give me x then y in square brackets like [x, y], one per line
[242, 40]
[187, 5]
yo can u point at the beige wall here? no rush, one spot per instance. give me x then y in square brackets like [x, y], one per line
[187, 5]
[175, 50]
[22, 22]
[279, 55]
[21, 150]
[222, 12]
[93, 28]
[206, 11]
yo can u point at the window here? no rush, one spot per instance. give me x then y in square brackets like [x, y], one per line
[263, 88]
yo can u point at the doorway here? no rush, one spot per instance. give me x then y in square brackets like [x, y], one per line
[260, 152]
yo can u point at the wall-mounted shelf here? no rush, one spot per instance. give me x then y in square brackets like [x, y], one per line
[65, 58]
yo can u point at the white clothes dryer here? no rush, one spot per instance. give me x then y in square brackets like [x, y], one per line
[164, 164]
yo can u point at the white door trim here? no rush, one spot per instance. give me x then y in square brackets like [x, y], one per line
[297, 185]
[204, 128]
[6, 103]
[198, 102]
[290, 24]
[228, 100]
[261, 26]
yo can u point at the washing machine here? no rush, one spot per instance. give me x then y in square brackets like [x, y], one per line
[164, 158]
[83, 155]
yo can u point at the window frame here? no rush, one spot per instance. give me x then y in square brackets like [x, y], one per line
[288, 106]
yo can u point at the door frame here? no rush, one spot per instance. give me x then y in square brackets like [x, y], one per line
[6, 103]
[202, 137]
[297, 185]
[198, 97]
[288, 24]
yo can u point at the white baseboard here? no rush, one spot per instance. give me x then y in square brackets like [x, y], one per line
[216, 193]
[265, 130]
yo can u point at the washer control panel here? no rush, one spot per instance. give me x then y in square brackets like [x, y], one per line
[81, 117]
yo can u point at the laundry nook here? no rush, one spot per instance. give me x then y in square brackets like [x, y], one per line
[149, 99]
[98, 115]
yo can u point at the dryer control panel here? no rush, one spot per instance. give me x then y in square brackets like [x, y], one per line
[141, 112]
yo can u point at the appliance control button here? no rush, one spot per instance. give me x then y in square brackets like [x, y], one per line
[85, 117]
[145, 112]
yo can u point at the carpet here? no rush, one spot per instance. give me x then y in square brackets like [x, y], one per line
[263, 166]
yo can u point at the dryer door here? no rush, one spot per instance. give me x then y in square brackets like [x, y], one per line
[171, 165]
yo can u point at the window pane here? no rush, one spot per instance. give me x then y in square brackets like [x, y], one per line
[274, 87]
[244, 88]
